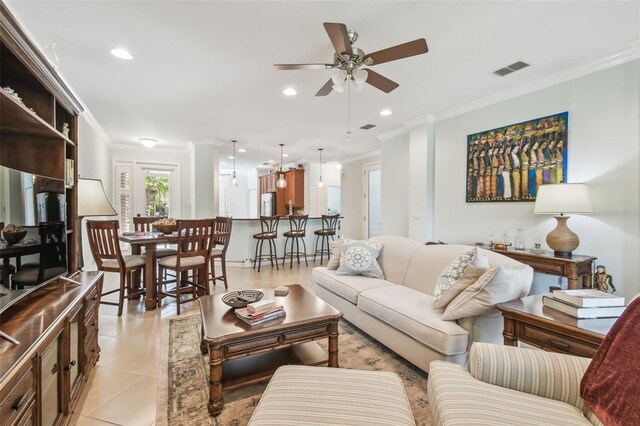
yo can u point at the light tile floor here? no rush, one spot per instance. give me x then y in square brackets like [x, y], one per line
[123, 389]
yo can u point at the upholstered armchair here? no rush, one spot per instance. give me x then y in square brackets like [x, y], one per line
[508, 385]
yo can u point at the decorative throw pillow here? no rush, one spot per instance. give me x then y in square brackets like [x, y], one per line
[498, 285]
[460, 274]
[359, 258]
[334, 262]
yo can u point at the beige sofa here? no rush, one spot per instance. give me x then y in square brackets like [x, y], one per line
[397, 311]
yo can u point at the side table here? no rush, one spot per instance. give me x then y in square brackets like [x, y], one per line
[577, 269]
[528, 320]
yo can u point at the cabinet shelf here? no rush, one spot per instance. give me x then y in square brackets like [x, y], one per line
[17, 119]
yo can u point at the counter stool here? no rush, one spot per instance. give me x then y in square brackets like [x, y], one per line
[269, 227]
[329, 225]
[297, 232]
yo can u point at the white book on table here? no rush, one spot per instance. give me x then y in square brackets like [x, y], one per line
[578, 312]
[588, 298]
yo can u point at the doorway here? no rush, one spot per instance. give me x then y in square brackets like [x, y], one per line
[372, 200]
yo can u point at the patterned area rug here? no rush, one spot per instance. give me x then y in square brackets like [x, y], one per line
[184, 383]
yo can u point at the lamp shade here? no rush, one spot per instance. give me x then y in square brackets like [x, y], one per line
[563, 198]
[92, 199]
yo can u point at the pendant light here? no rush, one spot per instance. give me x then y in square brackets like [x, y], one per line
[234, 179]
[281, 182]
[320, 182]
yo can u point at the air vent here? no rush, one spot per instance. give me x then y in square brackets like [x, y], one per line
[503, 71]
[368, 126]
[516, 66]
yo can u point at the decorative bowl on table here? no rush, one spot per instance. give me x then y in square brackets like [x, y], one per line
[241, 298]
[166, 229]
[166, 226]
[14, 237]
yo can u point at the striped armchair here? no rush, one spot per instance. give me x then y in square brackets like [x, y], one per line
[508, 386]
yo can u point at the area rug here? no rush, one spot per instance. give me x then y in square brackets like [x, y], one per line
[184, 387]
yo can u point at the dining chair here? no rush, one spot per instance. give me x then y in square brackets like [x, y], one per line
[105, 248]
[329, 225]
[53, 257]
[145, 224]
[268, 232]
[222, 236]
[195, 239]
[297, 231]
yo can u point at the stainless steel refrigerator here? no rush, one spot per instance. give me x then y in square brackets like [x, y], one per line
[268, 204]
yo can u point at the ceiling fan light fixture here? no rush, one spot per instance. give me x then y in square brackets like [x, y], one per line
[339, 78]
[339, 89]
[360, 76]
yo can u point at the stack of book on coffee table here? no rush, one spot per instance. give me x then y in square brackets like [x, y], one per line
[260, 312]
[587, 303]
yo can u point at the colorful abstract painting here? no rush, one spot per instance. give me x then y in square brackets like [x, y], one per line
[510, 163]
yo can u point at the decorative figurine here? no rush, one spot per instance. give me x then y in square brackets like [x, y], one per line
[65, 129]
[602, 280]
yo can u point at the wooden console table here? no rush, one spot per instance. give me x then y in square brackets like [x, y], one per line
[577, 269]
[527, 320]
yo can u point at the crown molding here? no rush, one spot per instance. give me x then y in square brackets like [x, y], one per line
[407, 126]
[136, 147]
[88, 116]
[543, 83]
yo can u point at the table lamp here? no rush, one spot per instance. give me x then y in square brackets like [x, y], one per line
[558, 199]
[92, 201]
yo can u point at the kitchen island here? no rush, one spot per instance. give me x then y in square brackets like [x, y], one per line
[242, 245]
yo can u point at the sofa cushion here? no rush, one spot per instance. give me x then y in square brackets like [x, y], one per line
[302, 395]
[460, 274]
[345, 286]
[359, 258]
[456, 398]
[396, 256]
[335, 247]
[498, 285]
[411, 312]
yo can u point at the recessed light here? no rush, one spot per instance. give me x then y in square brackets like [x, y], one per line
[385, 112]
[271, 161]
[290, 91]
[148, 142]
[122, 54]
[285, 155]
[224, 163]
[231, 157]
[242, 150]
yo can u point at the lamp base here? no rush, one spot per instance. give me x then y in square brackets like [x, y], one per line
[562, 240]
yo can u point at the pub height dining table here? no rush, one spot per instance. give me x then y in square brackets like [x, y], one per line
[150, 242]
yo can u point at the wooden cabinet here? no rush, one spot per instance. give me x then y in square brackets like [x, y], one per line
[32, 128]
[295, 187]
[42, 377]
[268, 183]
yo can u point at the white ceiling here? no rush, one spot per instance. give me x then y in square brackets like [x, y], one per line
[203, 70]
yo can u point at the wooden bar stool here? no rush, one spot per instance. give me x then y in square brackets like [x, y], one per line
[105, 248]
[269, 227]
[195, 239]
[222, 235]
[297, 232]
[329, 225]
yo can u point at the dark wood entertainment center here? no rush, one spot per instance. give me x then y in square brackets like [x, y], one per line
[54, 324]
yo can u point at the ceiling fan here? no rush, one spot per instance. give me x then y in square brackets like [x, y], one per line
[350, 60]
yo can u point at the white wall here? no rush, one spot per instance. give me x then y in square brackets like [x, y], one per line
[206, 181]
[395, 186]
[352, 196]
[603, 151]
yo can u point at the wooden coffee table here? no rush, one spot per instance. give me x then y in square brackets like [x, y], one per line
[240, 354]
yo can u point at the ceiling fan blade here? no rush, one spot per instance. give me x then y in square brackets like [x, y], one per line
[380, 82]
[326, 89]
[339, 37]
[412, 48]
[282, 67]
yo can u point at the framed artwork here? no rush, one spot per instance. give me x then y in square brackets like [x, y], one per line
[510, 163]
